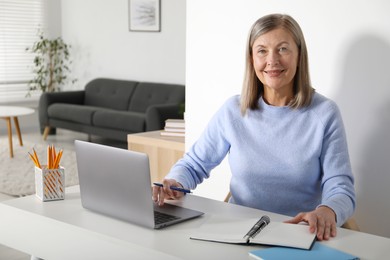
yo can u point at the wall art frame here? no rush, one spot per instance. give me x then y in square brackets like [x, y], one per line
[145, 15]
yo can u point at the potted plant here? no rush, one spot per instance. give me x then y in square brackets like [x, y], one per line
[51, 64]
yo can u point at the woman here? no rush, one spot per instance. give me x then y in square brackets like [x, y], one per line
[287, 146]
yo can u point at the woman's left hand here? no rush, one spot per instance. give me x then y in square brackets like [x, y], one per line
[321, 220]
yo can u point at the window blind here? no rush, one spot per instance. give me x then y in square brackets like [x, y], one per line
[19, 24]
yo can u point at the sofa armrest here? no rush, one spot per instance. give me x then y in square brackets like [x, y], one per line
[48, 98]
[157, 114]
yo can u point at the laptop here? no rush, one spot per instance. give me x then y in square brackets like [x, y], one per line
[116, 182]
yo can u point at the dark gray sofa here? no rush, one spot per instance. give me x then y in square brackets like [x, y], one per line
[111, 108]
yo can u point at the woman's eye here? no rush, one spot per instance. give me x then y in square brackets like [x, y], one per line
[282, 49]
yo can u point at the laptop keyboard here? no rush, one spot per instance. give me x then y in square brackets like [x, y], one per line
[160, 217]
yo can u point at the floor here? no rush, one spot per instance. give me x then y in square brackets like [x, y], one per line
[63, 138]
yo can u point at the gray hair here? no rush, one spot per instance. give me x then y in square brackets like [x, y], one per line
[252, 87]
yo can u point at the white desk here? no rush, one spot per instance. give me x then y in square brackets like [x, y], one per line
[64, 230]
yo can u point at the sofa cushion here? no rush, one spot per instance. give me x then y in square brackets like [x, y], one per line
[147, 94]
[123, 120]
[109, 93]
[70, 112]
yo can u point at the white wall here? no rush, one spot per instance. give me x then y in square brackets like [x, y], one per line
[349, 52]
[103, 46]
[54, 18]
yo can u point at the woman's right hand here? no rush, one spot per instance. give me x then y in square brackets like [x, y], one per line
[159, 194]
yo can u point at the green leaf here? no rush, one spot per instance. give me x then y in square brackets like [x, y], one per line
[51, 61]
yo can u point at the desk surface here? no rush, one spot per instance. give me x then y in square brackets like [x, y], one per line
[154, 138]
[65, 230]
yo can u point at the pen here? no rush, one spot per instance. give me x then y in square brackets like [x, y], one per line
[173, 188]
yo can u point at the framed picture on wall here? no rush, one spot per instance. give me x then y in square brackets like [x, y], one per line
[144, 15]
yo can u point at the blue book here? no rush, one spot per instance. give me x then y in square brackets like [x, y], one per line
[318, 252]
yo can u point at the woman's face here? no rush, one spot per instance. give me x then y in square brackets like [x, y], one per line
[275, 60]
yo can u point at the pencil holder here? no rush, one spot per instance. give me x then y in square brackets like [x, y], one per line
[50, 183]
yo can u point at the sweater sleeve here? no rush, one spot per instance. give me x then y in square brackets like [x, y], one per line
[205, 154]
[337, 180]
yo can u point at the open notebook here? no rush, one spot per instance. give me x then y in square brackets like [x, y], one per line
[261, 231]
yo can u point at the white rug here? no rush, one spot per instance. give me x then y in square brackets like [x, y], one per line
[17, 173]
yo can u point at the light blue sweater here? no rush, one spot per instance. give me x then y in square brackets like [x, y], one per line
[282, 160]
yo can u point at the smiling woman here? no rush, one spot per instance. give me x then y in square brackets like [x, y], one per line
[288, 40]
[275, 61]
[280, 135]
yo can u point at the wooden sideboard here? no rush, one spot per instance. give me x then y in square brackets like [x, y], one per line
[163, 151]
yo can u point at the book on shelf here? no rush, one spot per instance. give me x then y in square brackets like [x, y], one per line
[174, 129]
[175, 123]
[261, 231]
[319, 252]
